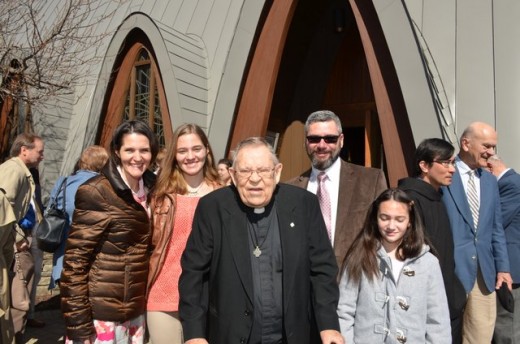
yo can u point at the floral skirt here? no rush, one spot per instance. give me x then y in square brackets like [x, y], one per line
[128, 332]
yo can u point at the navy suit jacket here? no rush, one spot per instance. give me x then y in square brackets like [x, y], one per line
[484, 246]
[217, 260]
[509, 188]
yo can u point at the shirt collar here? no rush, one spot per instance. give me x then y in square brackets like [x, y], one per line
[332, 172]
[463, 168]
[503, 172]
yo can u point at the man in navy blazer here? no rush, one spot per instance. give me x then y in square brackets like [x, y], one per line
[258, 266]
[481, 260]
[506, 329]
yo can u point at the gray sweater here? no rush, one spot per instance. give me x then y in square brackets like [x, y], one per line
[413, 310]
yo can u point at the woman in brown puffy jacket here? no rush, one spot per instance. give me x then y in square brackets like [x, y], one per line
[105, 269]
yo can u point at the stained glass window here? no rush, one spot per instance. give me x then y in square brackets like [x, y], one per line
[142, 100]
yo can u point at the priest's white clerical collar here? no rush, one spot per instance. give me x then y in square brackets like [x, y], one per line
[260, 210]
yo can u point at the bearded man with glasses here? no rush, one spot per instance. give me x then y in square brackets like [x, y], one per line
[345, 190]
[258, 266]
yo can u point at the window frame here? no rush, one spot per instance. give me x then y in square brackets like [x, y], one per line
[124, 76]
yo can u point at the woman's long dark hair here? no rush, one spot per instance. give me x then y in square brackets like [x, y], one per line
[361, 258]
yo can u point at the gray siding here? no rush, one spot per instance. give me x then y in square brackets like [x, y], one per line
[51, 122]
[473, 47]
[507, 78]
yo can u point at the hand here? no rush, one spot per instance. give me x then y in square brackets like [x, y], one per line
[22, 245]
[197, 341]
[331, 337]
[504, 277]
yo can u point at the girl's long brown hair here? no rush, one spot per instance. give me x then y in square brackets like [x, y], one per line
[361, 258]
[170, 179]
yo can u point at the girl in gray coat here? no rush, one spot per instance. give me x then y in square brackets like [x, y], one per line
[391, 288]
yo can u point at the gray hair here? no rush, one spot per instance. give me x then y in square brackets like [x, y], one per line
[23, 140]
[494, 157]
[254, 141]
[323, 116]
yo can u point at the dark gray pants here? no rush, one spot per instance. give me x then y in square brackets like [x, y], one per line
[507, 326]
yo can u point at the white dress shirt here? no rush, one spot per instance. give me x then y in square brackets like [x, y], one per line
[463, 169]
[332, 184]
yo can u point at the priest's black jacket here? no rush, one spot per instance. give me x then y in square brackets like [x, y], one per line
[216, 285]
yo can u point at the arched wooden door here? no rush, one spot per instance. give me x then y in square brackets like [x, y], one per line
[316, 55]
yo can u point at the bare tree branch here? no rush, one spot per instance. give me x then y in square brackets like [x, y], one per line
[55, 43]
[48, 48]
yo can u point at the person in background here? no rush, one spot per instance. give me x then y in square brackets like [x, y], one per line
[258, 266]
[391, 287]
[105, 268]
[507, 326]
[473, 204]
[18, 185]
[223, 171]
[37, 254]
[24, 279]
[345, 190]
[89, 165]
[434, 167]
[159, 160]
[188, 173]
[7, 220]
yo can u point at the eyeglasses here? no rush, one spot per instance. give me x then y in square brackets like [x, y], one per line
[327, 139]
[445, 163]
[261, 172]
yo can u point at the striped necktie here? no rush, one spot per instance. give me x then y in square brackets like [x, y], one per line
[473, 200]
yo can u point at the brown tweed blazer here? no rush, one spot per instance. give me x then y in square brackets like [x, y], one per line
[359, 186]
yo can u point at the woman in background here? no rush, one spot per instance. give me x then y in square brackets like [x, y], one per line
[159, 160]
[105, 269]
[223, 171]
[391, 288]
[187, 173]
[89, 165]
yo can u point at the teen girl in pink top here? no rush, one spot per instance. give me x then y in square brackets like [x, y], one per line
[187, 174]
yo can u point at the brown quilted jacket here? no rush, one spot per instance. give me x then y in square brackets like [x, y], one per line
[105, 268]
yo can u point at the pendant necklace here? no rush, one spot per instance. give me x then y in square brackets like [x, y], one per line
[257, 252]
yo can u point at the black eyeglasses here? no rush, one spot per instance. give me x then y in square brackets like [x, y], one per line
[327, 139]
[445, 163]
[264, 173]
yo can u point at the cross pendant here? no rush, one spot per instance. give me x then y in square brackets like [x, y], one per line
[257, 252]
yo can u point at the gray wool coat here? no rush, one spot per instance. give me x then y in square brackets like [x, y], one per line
[413, 310]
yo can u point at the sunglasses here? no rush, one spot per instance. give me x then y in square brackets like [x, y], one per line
[327, 139]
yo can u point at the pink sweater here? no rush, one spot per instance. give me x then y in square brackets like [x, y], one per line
[164, 293]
